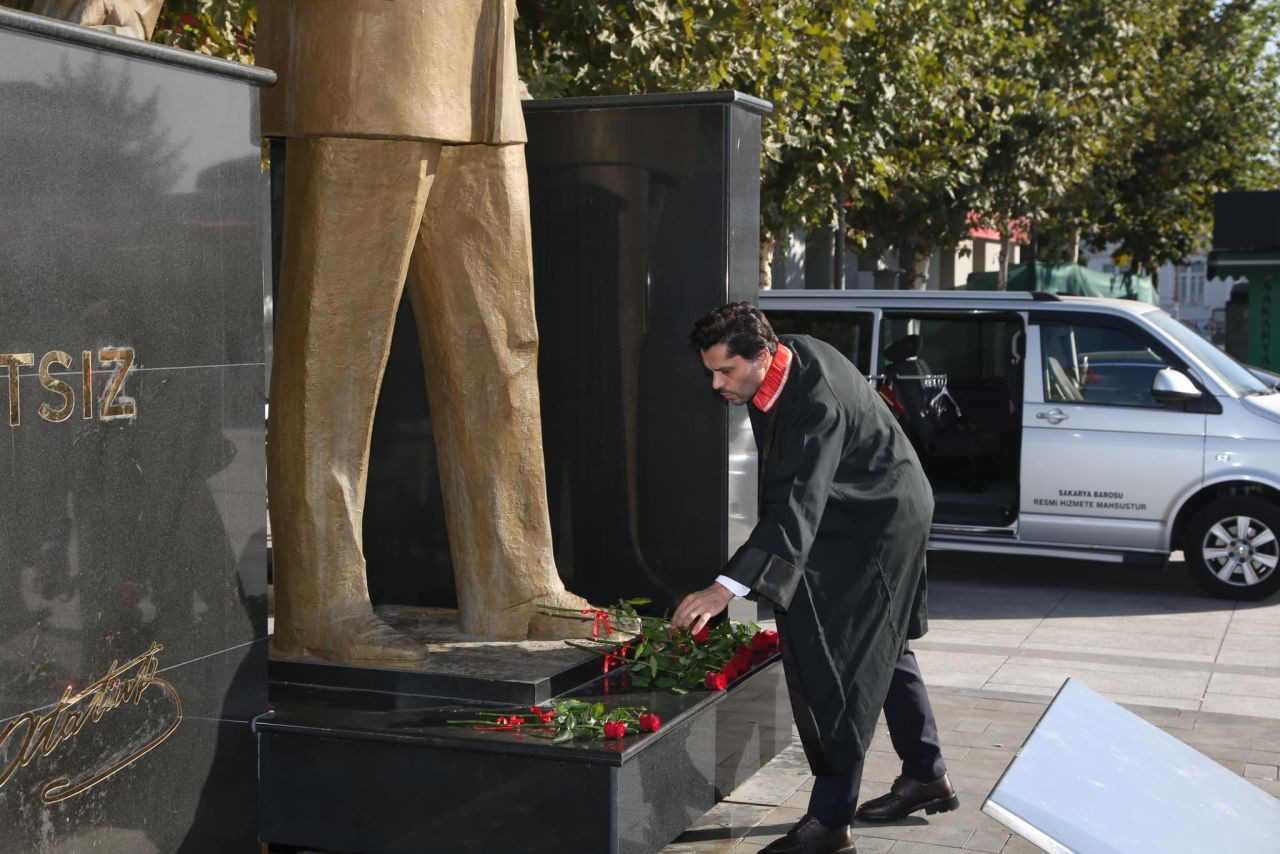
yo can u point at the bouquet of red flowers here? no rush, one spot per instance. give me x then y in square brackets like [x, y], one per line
[661, 656]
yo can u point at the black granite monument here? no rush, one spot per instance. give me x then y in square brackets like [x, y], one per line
[132, 508]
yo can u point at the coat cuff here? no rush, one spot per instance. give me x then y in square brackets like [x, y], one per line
[766, 574]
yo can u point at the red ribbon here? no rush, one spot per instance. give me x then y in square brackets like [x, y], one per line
[616, 658]
[504, 723]
[601, 618]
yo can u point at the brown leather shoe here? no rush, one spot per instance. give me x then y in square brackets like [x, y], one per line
[810, 836]
[907, 796]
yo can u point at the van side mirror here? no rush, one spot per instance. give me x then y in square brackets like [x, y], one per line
[1171, 385]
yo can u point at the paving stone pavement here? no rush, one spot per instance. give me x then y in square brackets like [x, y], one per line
[1003, 637]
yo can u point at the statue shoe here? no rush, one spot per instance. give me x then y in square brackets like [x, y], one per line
[907, 796]
[361, 639]
[810, 836]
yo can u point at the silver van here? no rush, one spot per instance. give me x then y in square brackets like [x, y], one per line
[1070, 427]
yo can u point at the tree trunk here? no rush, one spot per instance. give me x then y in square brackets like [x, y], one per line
[1004, 262]
[766, 262]
[918, 268]
[1075, 245]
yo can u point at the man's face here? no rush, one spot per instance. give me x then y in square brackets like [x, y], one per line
[734, 378]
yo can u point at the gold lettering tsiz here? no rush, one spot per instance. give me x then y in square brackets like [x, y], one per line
[113, 406]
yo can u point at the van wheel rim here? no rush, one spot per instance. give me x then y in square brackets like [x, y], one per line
[1241, 551]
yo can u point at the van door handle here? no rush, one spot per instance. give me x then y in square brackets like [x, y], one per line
[1053, 416]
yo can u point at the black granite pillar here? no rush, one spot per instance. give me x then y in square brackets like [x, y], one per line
[132, 507]
[645, 215]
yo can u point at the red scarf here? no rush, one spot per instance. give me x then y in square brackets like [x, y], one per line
[774, 379]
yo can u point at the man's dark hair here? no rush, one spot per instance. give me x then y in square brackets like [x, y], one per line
[740, 326]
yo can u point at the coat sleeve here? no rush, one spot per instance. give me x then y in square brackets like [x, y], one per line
[800, 473]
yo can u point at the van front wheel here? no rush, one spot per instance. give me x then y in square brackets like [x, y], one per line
[1232, 548]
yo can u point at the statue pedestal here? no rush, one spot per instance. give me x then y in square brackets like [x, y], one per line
[519, 673]
[379, 771]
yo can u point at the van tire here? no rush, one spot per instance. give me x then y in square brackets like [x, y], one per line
[1215, 528]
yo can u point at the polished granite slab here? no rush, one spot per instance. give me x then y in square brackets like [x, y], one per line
[381, 772]
[1093, 776]
[132, 519]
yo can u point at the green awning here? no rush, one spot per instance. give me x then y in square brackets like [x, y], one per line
[1068, 279]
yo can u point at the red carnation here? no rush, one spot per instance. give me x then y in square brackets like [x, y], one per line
[700, 636]
[614, 729]
[716, 681]
[649, 722]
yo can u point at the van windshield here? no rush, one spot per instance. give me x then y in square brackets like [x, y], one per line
[1235, 375]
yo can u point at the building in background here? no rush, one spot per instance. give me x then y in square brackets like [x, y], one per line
[1185, 292]
[804, 260]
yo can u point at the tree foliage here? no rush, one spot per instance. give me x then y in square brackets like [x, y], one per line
[1111, 120]
[789, 52]
[222, 28]
[1212, 124]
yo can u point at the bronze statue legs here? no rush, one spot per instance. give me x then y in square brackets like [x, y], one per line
[458, 215]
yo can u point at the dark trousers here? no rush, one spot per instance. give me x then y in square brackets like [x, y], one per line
[912, 729]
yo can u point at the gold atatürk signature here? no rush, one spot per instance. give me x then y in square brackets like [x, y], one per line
[42, 734]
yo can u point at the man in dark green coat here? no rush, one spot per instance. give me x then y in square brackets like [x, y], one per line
[839, 552]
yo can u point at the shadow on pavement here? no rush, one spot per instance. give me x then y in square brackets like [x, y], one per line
[975, 586]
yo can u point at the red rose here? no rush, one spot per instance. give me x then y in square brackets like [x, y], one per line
[742, 656]
[716, 681]
[730, 671]
[614, 729]
[649, 722]
[700, 636]
[765, 641]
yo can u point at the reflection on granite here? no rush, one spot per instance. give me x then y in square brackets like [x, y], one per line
[133, 539]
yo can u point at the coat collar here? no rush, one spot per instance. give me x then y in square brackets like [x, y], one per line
[774, 379]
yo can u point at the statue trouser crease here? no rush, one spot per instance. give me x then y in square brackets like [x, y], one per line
[366, 219]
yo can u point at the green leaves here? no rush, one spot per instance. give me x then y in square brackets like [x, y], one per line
[222, 28]
[1117, 119]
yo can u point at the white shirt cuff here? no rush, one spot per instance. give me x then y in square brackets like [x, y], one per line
[732, 586]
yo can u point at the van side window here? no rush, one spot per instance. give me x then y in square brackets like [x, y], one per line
[1097, 365]
[847, 331]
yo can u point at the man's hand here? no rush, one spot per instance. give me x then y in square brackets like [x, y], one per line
[697, 609]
